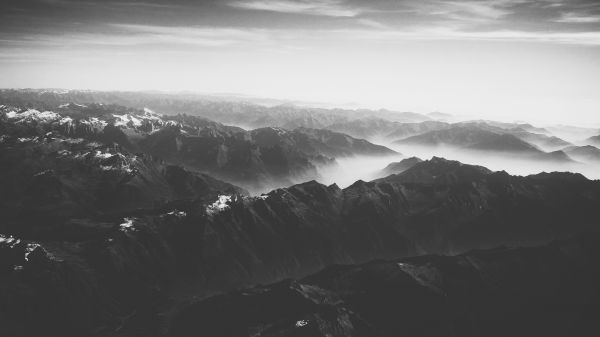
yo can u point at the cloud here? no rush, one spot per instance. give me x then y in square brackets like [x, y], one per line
[131, 35]
[372, 23]
[479, 9]
[590, 38]
[333, 8]
[472, 10]
[577, 18]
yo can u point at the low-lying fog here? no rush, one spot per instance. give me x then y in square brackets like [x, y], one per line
[351, 169]
[367, 168]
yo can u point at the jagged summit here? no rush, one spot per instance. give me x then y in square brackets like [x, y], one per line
[438, 170]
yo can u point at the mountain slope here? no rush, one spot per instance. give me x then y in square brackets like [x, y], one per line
[587, 153]
[549, 290]
[436, 206]
[217, 108]
[595, 140]
[49, 178]
[259, 160]
[377, 127]
[122, 273]
[469, 137]
[401, 166]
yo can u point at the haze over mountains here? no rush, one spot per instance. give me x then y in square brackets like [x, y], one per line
[125, 213]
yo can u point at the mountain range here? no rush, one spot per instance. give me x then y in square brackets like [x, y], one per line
[547, 290]
[121, 221]
[477, 138]
[258, 160]
[127, 273]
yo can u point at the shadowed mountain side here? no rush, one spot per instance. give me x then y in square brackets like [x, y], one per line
[336, 144]
[480, 139]
[122, 274]
[551, 290]
[49, 180]
[436, 206]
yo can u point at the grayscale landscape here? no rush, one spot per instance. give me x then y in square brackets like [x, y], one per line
[271, 168]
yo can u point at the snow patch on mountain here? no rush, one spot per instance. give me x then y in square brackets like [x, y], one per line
[220, 205]
[127, 225]
[33, 115]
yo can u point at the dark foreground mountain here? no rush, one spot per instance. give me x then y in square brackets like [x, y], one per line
[551, 290]
[123, 274]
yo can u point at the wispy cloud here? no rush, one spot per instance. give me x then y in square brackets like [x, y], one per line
[333, 8]
[578, 18]
[208, 36]
[372, 23]
[124, 35]
[478, 10]
[591, 38]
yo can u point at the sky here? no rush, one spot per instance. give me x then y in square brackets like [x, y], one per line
[534, 60]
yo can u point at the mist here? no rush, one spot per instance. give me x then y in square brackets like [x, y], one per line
[351, 169]
[495, 161]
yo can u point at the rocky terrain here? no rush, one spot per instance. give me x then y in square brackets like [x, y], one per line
[119, 221]
[550, 290]
[257, 160]
[232, 111]
[123, 274]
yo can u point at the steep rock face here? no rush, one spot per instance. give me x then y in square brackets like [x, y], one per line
[551, 290]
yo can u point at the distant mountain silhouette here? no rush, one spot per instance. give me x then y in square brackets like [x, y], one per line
[587, 153]
[474, 137]
[595, 140]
